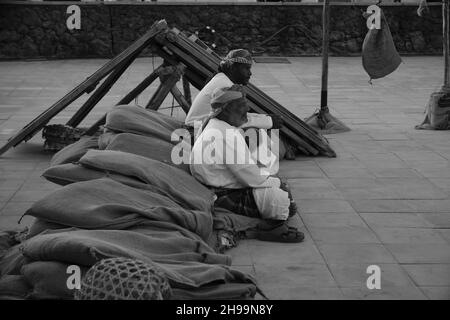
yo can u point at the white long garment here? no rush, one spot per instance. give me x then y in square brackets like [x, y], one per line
[220, 158]
[201, 106]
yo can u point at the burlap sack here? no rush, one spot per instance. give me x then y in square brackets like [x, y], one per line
[379, 55]
[73, 152]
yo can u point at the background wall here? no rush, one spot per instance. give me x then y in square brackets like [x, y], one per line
[30, 30]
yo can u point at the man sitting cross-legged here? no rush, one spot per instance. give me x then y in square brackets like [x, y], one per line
[222, 160]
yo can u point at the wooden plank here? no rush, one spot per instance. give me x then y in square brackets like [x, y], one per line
[187, 90]
[168, 81]
[38, 123]
[101, 91]
[184, 104]
[127, 99]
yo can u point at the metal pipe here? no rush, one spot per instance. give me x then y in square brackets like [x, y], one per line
[325, 40]
[445, 44]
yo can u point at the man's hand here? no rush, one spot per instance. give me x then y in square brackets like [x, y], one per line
[277, 121]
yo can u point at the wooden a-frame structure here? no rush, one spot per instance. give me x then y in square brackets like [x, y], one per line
[185, 58]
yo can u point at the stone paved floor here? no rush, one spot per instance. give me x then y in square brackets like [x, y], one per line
[385, 200]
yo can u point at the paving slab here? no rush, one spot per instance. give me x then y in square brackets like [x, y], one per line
[384, 200]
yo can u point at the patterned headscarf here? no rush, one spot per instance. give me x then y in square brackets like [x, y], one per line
[221, 98]
[237, 56]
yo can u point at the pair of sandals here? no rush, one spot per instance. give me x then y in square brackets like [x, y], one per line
[278, 231]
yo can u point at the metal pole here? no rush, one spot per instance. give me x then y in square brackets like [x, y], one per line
[445, 44]
[325, 36]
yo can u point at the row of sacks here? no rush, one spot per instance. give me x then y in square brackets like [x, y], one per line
[122, 197]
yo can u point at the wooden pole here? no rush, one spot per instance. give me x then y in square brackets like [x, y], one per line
[325, 40]
[445, 44]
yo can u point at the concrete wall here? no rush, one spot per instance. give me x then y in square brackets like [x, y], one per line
[29, 30]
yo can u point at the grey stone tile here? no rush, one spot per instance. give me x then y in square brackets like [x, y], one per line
[6, 195]
[386, 293]
[15, 208]
[347, 254]
[404, 220]
[30, 195]
[389, 188]
[445, 233]
[429, 274]
[295, 169]
[325, 206]
[420, 253]
[313, 189]
[440, 220]
[409, 235]
[240, 255]
[285, 253]
[307, 275]
[394, 172]
[338, 235]
[294, 292]
[12, 222]
[411, 206]
[437, 293]
[319, 220]
[10, 184]
[356, 275]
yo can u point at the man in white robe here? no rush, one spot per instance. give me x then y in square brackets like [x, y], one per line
[221, 159]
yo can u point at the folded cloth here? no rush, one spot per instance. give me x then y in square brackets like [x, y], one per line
[48, 279]
[182, 187]
[12, 261]
[14, 287]
[105, 138]
[40, 226]
[149, 147]
[68, 173]
[134, 119]
[74, 151]
[104, 203]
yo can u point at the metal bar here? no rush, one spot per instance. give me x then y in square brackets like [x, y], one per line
[325, 40]
[446, 44]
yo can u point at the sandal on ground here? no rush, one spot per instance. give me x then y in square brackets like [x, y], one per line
[281, 233]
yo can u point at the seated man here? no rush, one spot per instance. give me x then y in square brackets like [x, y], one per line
[235, 68]
[222, 160]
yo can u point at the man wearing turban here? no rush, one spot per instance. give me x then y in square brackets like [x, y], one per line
[221, 159]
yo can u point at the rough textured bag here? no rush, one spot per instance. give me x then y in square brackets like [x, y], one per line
[149, 147]
[49, 279]
[68, 173]
[107, 204]
[134, 119]
[182, 187]
[437, 113]
[73, 152]
[379, 55]
[14, 287]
